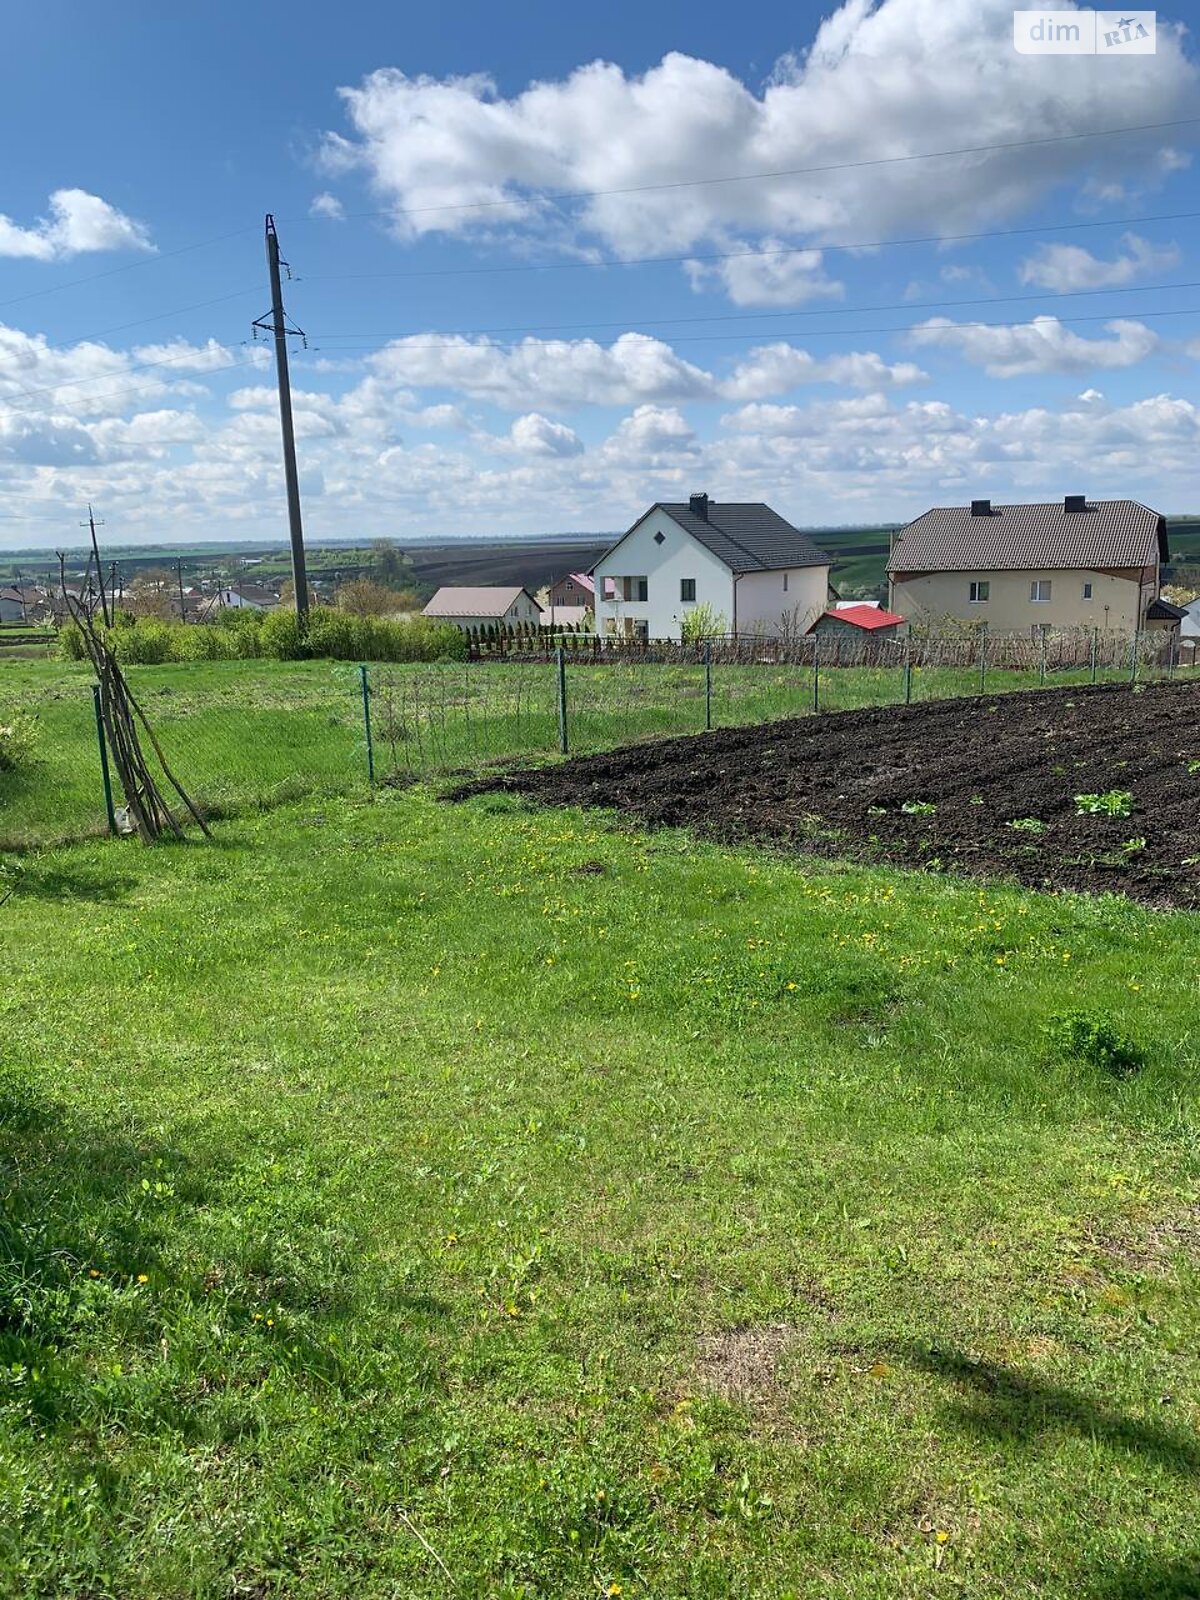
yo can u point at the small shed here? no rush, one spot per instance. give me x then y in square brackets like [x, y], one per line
[859, 622]
[1164, 616]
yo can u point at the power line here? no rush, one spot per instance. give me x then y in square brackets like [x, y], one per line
[129, 266]
[737, 255]
[113, 394]
[785, 172]
[808, 333]
[161, 316]
[756, 316]
[648, 188]
[140, 366]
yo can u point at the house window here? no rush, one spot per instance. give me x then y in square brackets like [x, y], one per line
[1087, 591]
[1039, 590]
[640, 587]
[659, 537]
[687, 588]
[980, 592]
[609, 588]
[785, 578]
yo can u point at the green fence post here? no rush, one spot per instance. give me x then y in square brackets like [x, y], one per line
[908, 670]
[1095, 650]
[562, 701]
[816, 639]
[708, 685]
[104, 772]
[983, 638]
[366, 703]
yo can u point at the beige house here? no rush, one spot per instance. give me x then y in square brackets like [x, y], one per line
[483, 607]
[1070, 563]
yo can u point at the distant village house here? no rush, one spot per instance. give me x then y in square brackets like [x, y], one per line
[757, 572]
[482, 607]
[576, 589]
[1067, 563]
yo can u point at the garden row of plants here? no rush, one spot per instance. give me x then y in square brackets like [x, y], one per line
[245, 635]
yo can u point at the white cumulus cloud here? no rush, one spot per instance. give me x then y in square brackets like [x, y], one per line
[660, 156]
[1064, 267]
[1040, 346]
[535, 435]
[77, 222]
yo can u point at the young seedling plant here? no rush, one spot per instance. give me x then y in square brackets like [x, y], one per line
[1113, 803]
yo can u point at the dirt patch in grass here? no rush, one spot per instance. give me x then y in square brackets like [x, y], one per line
[938, 785]
[1151, 1247]
[742, 1364]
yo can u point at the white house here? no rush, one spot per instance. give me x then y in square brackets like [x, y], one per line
[758, 573]
[485, 606]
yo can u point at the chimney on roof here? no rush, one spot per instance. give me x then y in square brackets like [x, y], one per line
[1075, 502]
[981, 508]
[698, 505]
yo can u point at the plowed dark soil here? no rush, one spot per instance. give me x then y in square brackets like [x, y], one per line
[838, 785]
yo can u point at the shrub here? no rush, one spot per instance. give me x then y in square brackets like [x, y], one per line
[702, 622]
[147, 644]
[280, 636]
[19, 737]
[1095, 1039]
[335, 635]
[69, 645]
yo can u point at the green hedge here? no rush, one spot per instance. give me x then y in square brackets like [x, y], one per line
[244, 635]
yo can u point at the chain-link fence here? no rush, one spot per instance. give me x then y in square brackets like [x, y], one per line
[588, 695]
[241, 735]
[237, 735]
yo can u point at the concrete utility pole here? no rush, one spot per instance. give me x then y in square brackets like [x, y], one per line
[276, 324]
[91, 523]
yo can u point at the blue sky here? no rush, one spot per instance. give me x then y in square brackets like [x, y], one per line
[477, 360]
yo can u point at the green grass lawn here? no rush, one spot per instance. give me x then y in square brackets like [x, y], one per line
[248, 734]
[405, 1199]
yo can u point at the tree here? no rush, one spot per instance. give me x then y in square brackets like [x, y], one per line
[151, 593]
[390, 567]
[364, 598]
[703, 622]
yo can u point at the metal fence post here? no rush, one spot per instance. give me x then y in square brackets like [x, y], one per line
[1095, 650]
[816, 639]
[366, 704]
[708, 685]
[562, 700]
[983, 643]
[1133, 665]
[1042, 662]
[104, 772]
[1172, 654]
[908, 669]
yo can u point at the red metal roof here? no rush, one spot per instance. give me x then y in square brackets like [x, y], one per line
[868, 617]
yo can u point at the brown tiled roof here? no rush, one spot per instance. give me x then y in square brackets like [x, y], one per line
[476, 602]
[1109, 533]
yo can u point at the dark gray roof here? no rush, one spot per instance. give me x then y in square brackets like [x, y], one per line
[1109, 533]
[1160, 610]
[746, 535]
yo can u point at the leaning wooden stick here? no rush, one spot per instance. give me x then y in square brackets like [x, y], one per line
[120, 715]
